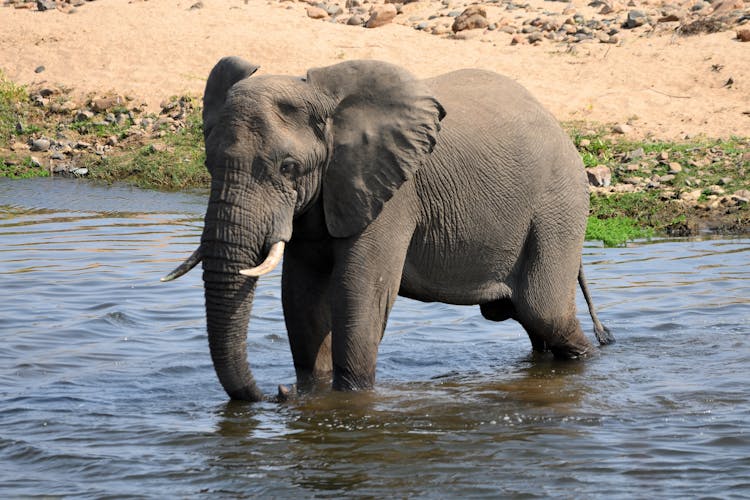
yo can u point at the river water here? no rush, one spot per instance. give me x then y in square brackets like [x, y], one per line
[107, 388]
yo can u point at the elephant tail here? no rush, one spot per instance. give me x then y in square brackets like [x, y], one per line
[603, 335]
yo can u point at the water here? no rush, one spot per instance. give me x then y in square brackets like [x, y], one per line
[107, 389]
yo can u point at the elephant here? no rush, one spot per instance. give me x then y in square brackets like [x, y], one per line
[371, 183]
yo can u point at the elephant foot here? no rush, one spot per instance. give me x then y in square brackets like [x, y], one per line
[286, 393]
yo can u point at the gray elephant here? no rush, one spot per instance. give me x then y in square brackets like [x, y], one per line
[372, 184]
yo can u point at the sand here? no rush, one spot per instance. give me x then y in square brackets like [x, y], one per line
[664, 85]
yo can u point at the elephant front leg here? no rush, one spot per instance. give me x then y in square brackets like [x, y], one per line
[366, 285]
[307, 314]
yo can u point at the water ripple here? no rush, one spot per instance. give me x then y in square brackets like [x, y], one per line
[107, 388]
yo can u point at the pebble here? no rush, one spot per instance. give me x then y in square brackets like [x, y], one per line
[599, 176]
[473, 17]
[622, 128]
[355, 20]
[43, 5]
[41, 145]
[380, 15]
[741, 196]
[316, 12]
[83, 115]
[636, 18]
[675, 168]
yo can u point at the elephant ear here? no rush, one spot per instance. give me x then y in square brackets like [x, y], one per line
[384, 126]
[227, 72]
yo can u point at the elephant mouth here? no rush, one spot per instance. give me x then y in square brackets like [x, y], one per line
[269, 264]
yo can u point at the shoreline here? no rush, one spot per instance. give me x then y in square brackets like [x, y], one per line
[638, 188]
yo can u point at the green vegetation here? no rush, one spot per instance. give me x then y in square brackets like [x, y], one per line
[12, 97]
[175, 161]
[657, 187]
[615, 231]
[666, 188]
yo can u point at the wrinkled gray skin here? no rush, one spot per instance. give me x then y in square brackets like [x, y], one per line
[458, 189]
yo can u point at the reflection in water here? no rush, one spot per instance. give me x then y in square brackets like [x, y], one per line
[107, 388]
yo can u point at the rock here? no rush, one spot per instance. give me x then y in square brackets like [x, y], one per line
[355, 20]
[675, 168]
[100, 104]
[610, 8]
[635, 19]
[316, 13]
[40, 145]
[691, 196]
[634, 154]
[80, 172]
[599, 176]
[727, 6]
[622, 128]
[743, 35]
[669, 18]
[43, 5]
[441, 29]
[741, 196]
[196, 6]
[334, 10]
[535, 37]
[35, 161]
[83, 115]
[716, 190]
[473, 17]
[39, 69]
[633, 180]
[380, 15]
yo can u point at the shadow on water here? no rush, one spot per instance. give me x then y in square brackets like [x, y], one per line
[329, 443]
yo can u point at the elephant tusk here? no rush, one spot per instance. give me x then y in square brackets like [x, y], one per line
[273, 259]
[186, 266]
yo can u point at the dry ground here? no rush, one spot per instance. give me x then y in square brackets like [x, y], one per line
[666, 86]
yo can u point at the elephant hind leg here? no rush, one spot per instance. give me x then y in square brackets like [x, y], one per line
[564, 338]
[544, 296]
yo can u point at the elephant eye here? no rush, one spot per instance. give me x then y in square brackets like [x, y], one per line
[288, 165]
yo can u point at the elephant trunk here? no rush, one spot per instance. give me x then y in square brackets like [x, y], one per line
[228, 246]
[228, 305]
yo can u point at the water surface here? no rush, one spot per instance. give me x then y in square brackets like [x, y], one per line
[107, 389]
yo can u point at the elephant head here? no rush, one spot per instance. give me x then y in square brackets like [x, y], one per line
[343, 139]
